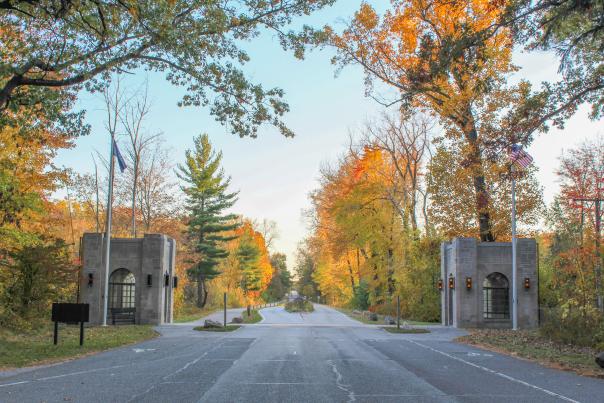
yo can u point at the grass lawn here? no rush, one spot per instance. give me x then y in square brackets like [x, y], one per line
[228, 328]
[380, 320]
[299, 306]
[405, 330]
[19, 349]
[255, 317]
[189, 313]
[531, 345]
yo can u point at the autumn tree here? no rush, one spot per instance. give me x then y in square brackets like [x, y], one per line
[451, 192]
[405, 141]
[57, 47]
[574, 31]
[581, 174]
[358, 232]
[30, 257]
[207, 190]
[268, 229]
[132, 120]
[34, 277]
[155, 194]
[404, 49]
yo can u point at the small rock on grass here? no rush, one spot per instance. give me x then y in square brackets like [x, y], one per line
[209, 323]
[600, 359]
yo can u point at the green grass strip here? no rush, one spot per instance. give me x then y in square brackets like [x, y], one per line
[19, 349]
[404, 330]
[228, 328]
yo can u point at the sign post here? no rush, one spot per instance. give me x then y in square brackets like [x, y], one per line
[225, 313]
[398, 311]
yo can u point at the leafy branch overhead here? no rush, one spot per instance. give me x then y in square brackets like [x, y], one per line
[52, 47]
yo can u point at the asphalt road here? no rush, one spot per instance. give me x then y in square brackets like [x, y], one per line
[319, 357]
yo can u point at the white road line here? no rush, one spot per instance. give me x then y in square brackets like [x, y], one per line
[510, 378]
[183, 368]
[46, 378]
[14, 383]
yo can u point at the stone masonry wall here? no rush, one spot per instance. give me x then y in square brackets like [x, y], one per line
[469, 258]
[150, 255]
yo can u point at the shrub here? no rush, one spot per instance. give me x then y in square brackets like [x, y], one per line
[579, 326]
[299, 305]
[360, 299]
[32, 276]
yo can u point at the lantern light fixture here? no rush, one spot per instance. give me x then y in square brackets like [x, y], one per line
[527, 282]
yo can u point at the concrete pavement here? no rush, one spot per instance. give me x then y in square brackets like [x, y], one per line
[319, 357]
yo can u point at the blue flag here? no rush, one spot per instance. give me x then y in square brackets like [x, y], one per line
[120, 159]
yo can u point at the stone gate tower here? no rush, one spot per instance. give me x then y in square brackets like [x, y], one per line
[476, 283]
[141, 278]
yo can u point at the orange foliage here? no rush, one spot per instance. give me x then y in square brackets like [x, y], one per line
[353, 224]
[404, 49]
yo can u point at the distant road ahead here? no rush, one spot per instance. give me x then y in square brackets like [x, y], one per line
[322, 316]
[319, 357]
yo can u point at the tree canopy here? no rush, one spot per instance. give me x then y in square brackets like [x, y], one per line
[52, 48]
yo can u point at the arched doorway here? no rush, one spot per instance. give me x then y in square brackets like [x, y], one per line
[122, 302]
[496, 293]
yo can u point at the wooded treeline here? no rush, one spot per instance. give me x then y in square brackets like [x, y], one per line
[380, 211]
[436, 166]
[50, 52]
[216, 251]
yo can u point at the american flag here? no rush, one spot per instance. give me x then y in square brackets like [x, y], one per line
[520, 157]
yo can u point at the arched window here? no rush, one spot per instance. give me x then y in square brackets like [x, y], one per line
[496, 293]
[122, 302]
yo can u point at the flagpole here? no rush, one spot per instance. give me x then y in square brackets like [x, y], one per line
[108, 231]
[514, 268]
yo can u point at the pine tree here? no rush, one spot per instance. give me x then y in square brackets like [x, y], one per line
[207, 198]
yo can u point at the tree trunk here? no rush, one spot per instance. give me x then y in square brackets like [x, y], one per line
[390, 278]
[202, 292]
[351, 273]
[359, 266]
[480, 188]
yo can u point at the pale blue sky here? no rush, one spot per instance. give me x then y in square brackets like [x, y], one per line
[273, 174]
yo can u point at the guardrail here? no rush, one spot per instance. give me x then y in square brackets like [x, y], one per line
[267, 305]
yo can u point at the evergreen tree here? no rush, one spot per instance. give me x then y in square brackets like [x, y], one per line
[207, 198]
[248, 255]
[281, 281]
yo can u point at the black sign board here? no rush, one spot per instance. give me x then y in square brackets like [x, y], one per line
[70, 313]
